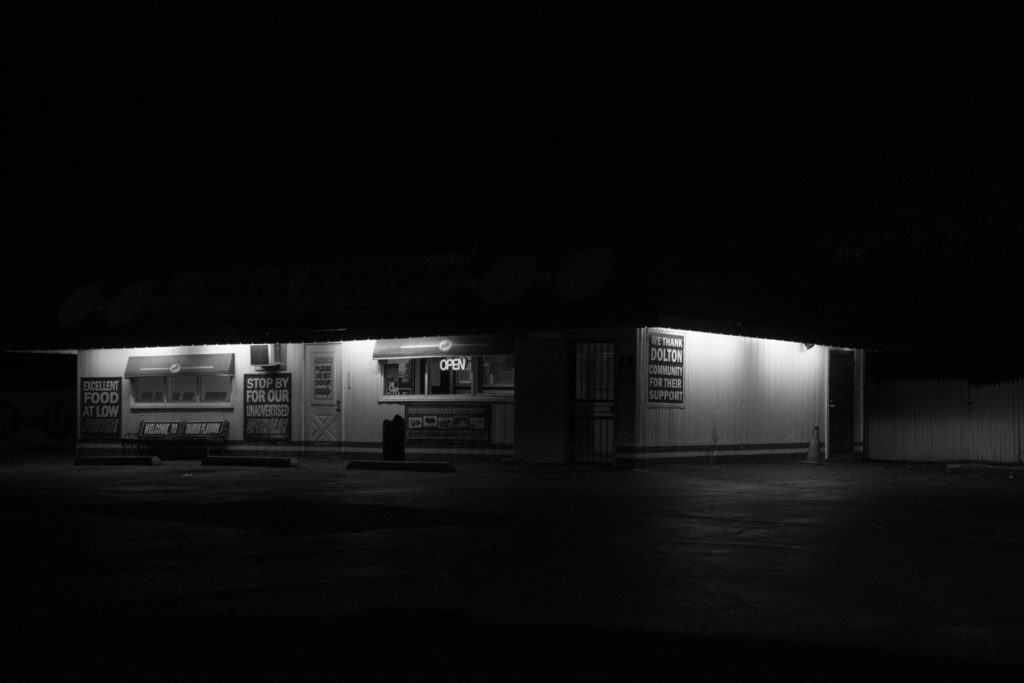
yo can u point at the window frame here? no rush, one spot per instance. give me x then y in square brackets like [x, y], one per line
[477, 391]
[167, 404]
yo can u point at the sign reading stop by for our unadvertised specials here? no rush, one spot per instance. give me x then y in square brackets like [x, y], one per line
[268, 407]
[664, 369]
[101, 407]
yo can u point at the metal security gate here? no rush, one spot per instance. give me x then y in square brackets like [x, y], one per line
[593, 433]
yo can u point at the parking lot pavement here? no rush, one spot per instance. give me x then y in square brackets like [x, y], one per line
[775, 571]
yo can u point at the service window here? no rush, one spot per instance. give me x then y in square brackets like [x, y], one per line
[448, 376]
[498, 373]
[180, 380]
[183, 389]
[150, 389]
[401, 377]
[215, 388]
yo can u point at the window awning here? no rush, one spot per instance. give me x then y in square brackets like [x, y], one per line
[431, 347]
[192, 364]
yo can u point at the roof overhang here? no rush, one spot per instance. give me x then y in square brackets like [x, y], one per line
[431, 347]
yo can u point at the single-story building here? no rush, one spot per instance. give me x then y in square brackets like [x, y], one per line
[579, 357]
[616, 396]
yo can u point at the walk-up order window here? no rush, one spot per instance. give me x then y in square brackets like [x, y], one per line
[181, 380]
[446, 366]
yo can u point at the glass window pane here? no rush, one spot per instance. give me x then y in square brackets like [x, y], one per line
[450, 375]
[400, 377]
[182, 388]
[149, 389]
[463, 378]
[499, 373]
[215, 388]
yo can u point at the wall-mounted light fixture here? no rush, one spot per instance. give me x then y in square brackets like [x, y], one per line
[808, 345]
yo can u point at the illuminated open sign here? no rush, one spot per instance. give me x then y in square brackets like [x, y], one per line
[453, 364]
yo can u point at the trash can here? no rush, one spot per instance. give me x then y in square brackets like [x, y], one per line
[394, 438]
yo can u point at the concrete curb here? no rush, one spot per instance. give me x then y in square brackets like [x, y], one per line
[974, 468]
[118, 460]
[408, 465]
[251, 460]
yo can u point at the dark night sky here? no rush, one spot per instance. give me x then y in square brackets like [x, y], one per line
[833, 147]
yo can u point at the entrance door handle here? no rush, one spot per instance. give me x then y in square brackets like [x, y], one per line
[337, 406]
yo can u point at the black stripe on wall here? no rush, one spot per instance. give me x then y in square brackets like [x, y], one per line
[698, 448]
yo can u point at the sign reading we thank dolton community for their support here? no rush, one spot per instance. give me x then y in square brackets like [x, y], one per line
[665, 369]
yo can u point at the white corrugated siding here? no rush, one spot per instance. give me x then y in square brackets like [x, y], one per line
[996, 415]
[738, 391]
[946, 420]
[363, 413]
[112, 363]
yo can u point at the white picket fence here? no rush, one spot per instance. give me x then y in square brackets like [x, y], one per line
[946, 421]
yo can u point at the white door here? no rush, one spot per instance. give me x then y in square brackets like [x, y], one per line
[323, 393]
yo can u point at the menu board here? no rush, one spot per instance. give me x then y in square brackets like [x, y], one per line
[447, 422]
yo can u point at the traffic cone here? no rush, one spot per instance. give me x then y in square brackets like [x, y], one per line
[814, 450]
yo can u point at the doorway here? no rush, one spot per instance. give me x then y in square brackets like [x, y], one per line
[840, 404]
[323, 394]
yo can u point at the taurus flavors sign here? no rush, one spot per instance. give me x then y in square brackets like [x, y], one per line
[268, 407]
[100, 407]
[665, 369]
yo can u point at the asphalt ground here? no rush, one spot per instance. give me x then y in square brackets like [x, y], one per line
[778, 571]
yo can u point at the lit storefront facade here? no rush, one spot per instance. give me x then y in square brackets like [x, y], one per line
[614, 396]
[585, 356]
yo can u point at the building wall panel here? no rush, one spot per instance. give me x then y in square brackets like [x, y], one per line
[362, 416]
[112, 363]
[742, 395]
[946, 420]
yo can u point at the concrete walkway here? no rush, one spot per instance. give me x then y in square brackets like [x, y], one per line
[784, 571]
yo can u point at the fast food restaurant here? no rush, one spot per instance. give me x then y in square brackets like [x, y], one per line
[613, 396]
[466, 363]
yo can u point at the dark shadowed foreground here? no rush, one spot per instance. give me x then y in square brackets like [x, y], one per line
[846, 571]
